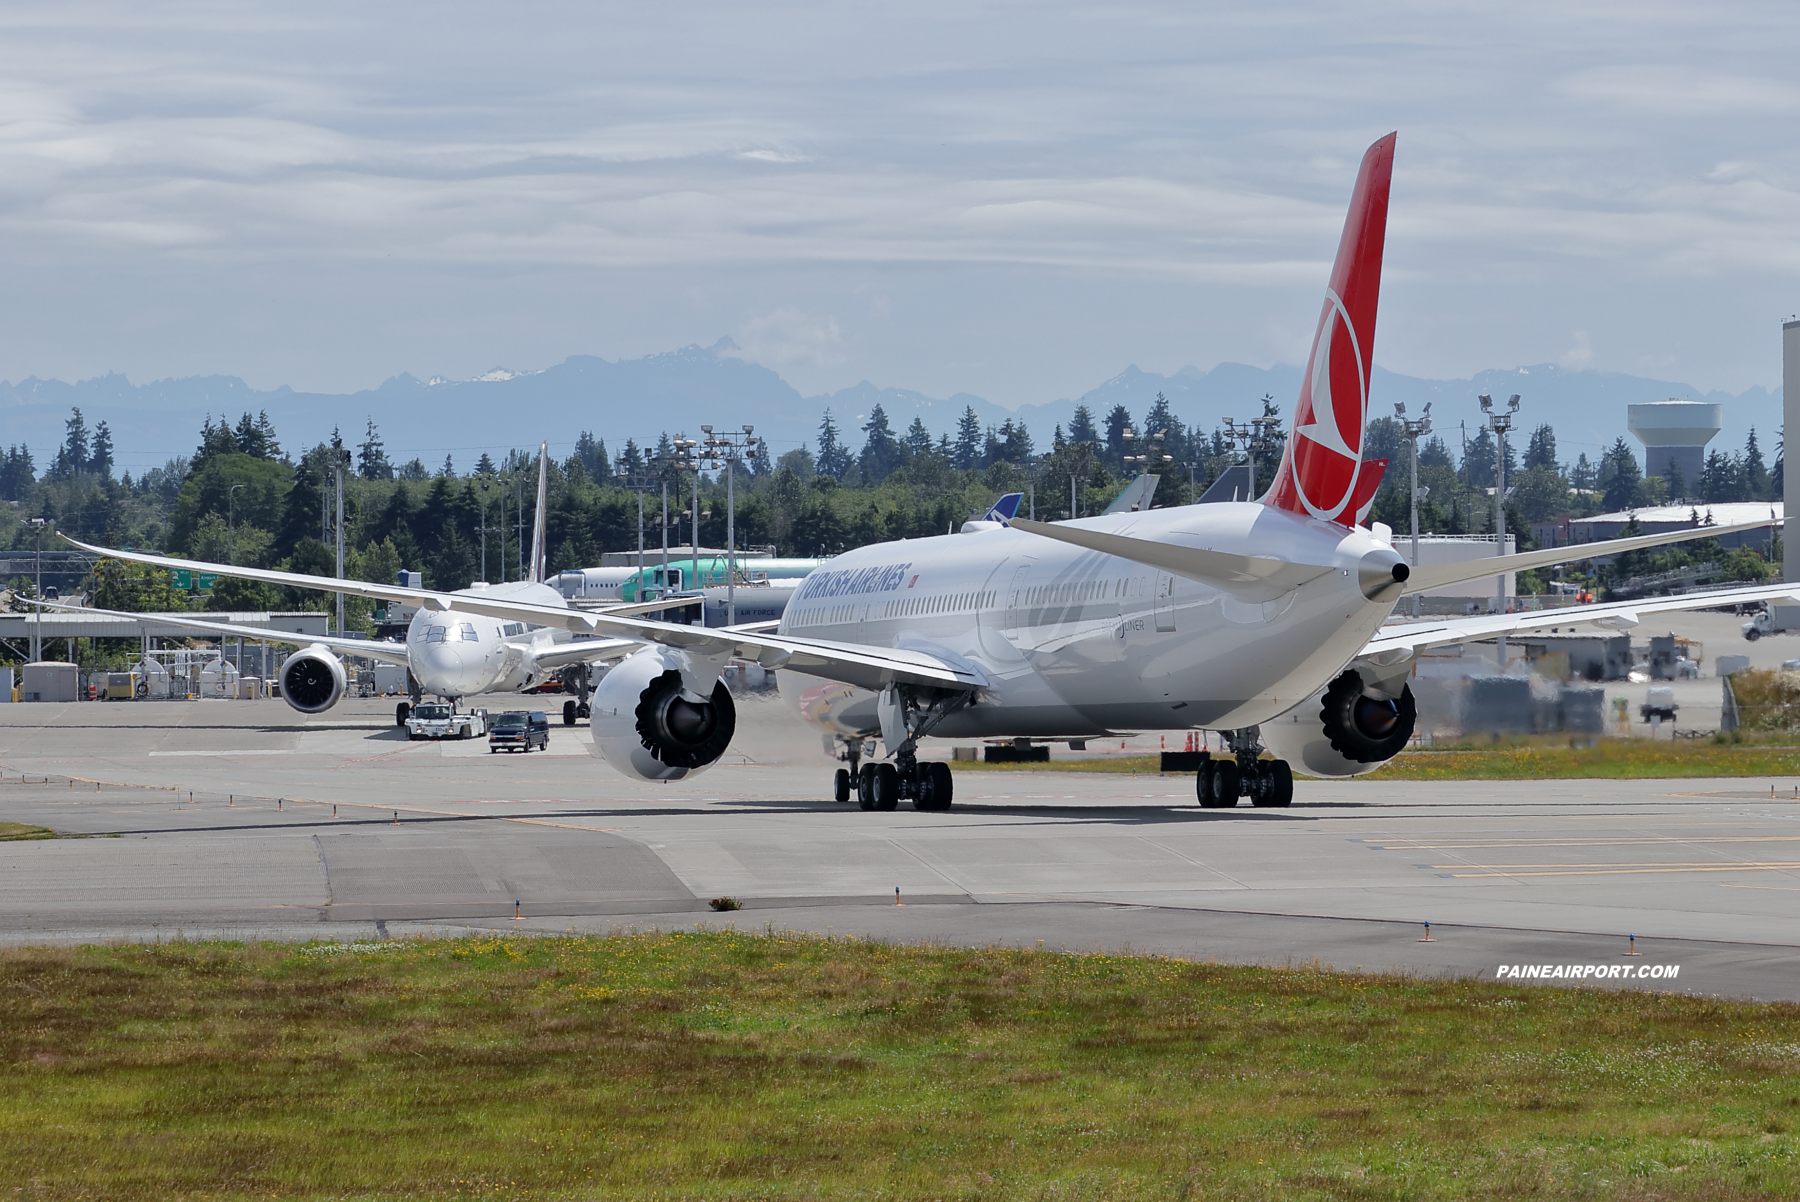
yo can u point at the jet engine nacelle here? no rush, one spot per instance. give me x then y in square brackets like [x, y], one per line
[1347, 730]
[647, 727]
[312, 680]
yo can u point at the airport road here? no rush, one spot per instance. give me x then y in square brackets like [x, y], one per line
[374, 835]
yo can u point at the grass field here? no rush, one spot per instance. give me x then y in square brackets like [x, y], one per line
[10, 831]
[741, 1066]
[1617, 759]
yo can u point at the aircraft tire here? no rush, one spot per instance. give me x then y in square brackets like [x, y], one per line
[840, 786]
[1277, 785]
[936, 788]
[865, 788]
[569, 709]
[1224, 785]
[402, 712]
[887, 787]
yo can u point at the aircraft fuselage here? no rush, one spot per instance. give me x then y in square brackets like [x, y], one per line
[1073, 642]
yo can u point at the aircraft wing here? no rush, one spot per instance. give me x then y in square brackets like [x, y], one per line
[1613, 615]
[1438, 575]
[585, 651]
[1250, 576]
[854, 664]
[387, 653]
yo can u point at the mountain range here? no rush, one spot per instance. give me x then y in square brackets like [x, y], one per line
[678, 390]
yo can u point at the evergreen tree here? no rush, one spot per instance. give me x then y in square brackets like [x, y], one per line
[1675, 482]
[303, 512]
[834, 457]
[214, 440]
[484, 466]
[371, 456]
[413, 469]
[594, 460]
[1435, 453]
[918, 438]
[966, 451]
[1756, 472]
[72, 456]
[449, 468]
[1541, 450]
[100, 460]
[17, 474]
[630, 468]
[881, 450]
[1012, 445]
[1117, 422]
[1081, 427]
[1620, 476]
[1583, 475]
[249, 440]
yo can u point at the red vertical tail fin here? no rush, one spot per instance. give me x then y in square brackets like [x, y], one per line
[1320, 468]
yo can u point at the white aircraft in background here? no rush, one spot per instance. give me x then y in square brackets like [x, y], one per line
[1265, 620]
[451, 652]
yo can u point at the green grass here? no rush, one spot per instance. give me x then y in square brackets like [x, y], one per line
[739, 1066]
[10, 831]
[1612, 759]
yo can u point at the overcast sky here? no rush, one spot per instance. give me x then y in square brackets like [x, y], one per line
[1015, 200]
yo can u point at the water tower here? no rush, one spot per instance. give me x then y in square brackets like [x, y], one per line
[1675, 431]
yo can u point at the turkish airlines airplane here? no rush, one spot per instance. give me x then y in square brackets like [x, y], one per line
[451, 652]
[1265, 621]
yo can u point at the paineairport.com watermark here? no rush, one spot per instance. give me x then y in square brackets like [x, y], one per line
[1587, 972]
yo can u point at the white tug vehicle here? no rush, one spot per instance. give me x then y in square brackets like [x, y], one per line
[441, 720]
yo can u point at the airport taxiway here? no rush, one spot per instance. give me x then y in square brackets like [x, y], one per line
[245, 819]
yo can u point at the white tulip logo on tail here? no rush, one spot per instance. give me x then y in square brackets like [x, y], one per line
[1330, 450]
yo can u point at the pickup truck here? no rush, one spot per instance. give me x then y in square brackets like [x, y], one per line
[435, 720]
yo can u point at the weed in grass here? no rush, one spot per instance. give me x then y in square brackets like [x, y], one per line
[726, 1065]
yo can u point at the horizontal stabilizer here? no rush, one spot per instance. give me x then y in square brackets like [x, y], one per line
[1248, 576]
[1439, 575]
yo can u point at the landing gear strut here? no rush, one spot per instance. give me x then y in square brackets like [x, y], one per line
[879, 786]
[1268, 783]
[577, 679]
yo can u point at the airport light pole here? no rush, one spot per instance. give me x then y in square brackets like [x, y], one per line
[1500, 423]
[1257, 434]
[486, 481]
[683, 456]
[726, 451]
[1414, 430]
[340, 463]
[231, 525]
[1150, 451]
[37, 621]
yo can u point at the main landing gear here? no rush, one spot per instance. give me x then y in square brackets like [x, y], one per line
[881, 786]
[577, 679]
[1221, 781]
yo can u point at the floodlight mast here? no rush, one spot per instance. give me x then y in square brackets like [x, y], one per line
[1414, 430]
[1500, 423]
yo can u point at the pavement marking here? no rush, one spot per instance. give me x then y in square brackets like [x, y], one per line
[1617, 869]
[1665, 840]
[221, 754]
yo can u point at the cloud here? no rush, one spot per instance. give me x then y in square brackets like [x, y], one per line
[1562, 156]
[788, 338]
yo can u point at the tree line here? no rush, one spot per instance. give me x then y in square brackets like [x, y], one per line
[240, 497]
